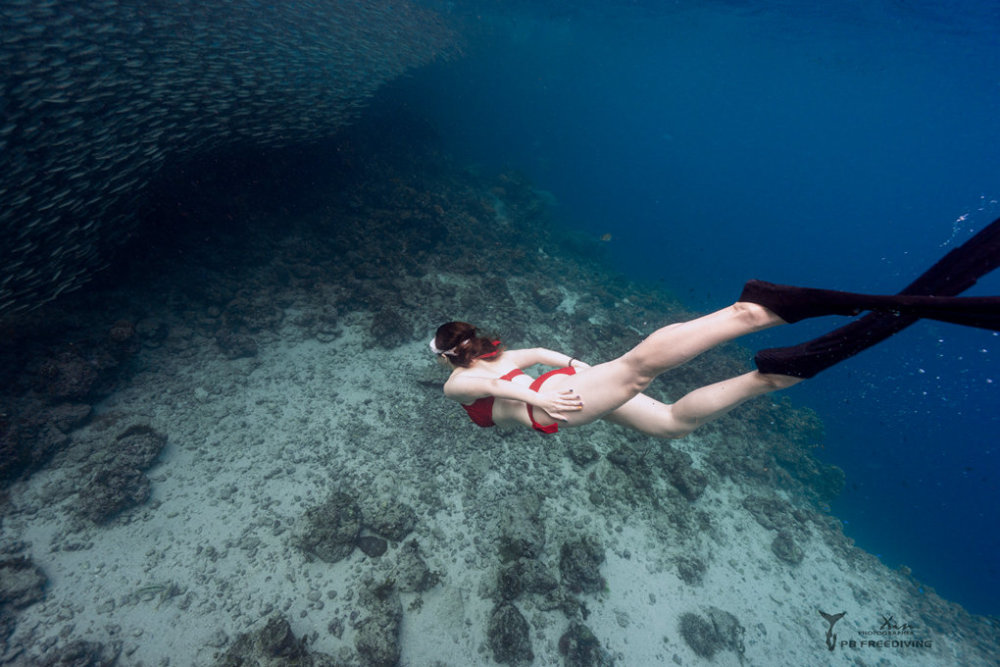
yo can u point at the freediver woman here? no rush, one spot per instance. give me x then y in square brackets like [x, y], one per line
[488, 381]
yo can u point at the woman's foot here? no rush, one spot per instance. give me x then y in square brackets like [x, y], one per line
[954, 273]
[792, 303]
[778, 381]
[807, 359]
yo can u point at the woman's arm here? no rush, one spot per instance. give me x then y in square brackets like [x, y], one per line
[541, 355]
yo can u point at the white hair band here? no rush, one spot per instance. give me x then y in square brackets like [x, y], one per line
[449, 353]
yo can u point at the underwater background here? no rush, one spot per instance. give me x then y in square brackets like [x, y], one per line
[228, 230]
[844, 145]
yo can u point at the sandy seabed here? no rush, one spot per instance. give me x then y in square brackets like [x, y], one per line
[253, 443]
[692, 559]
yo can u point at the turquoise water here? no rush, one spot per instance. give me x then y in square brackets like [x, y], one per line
[844, 147]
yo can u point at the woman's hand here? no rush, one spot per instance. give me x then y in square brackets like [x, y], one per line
[557, 403]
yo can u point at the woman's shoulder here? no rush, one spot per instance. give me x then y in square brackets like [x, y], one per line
[492, 369]
[519, 358]
[483, 370]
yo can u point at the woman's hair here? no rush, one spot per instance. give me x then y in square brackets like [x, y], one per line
[461, 343]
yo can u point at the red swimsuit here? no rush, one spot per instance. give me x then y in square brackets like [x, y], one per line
[481, 410]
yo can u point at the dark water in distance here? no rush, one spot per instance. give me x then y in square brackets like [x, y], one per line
[844, 145]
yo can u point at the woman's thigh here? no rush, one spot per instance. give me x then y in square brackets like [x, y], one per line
[648, 415]
[603, 389]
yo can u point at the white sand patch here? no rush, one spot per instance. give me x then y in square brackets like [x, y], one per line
[253, 443]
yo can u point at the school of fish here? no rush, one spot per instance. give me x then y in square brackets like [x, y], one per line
[97, 95]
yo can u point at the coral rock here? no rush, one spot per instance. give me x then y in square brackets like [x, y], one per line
[112, 491]
[509, 636]
[22, 583]
[580, 563]
[331, 530]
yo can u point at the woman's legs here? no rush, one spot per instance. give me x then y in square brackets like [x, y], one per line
[609, 386]
[613, 389]
[675, 344]
[698, 407]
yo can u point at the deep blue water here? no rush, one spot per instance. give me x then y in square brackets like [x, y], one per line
[846, 148]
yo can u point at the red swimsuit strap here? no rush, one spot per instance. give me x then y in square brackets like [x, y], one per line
[494, 353]
[540, 380]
